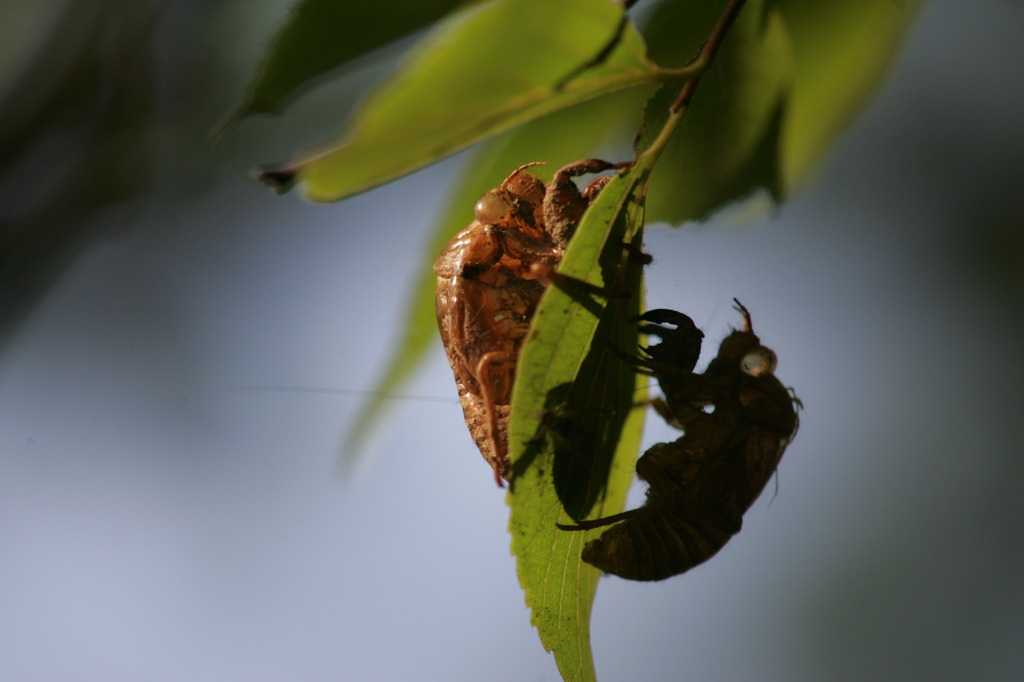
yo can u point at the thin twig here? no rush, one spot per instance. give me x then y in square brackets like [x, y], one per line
[708, 52]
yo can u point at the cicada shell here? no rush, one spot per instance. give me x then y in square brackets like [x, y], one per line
[490, 278]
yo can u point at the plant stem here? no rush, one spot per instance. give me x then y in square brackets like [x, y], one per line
[708, 52]
[698, 66]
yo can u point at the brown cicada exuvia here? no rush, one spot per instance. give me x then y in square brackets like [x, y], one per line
[703, 483]
[490, 278]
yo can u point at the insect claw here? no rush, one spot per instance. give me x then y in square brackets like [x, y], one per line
[680, 340]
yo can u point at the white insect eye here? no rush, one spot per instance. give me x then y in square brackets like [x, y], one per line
[758, 362]
[490, 208]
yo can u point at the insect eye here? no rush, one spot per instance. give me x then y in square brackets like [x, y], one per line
[491, 208]
[758, 362]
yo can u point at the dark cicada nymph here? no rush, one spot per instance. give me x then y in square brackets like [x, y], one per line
[703, 483]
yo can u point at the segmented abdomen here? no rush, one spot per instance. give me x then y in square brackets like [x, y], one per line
[654, 545]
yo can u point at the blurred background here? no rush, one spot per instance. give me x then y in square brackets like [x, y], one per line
[181, 354]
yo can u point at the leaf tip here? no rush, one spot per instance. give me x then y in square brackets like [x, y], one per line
[278, 177]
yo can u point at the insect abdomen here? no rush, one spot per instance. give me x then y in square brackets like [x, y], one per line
[653, 545]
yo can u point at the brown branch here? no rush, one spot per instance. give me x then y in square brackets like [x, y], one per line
[708, 51]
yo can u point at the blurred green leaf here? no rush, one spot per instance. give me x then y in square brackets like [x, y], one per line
[484, 70]
[841, 52]
[790, 77]
[728, 145]
[321, 35]
[108, 145]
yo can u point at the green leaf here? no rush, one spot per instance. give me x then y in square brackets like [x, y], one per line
[841, 50]
[573, 430]
[322, 35]
[484, 70]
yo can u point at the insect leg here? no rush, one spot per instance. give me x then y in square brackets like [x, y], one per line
[495, 373]
[563, 203]
[598, 523]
